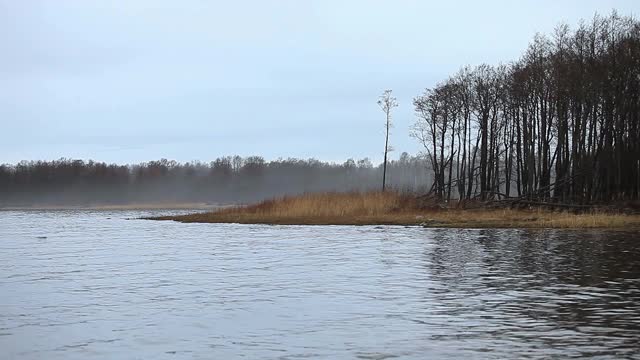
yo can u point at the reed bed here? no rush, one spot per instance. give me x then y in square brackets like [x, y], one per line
[332, 204]
[395, 208]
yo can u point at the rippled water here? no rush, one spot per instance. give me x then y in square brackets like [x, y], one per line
[93, 285]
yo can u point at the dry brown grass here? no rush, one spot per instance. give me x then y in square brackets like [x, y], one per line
[392, 208]
[354, 208]
[331, 204]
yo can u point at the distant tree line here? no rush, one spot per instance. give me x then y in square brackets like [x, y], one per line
[228, 179]
[561, 124]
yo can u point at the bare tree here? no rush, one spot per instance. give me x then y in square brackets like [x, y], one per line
[386, 102]
[561, 124]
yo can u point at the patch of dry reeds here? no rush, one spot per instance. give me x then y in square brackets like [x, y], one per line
[394, 208]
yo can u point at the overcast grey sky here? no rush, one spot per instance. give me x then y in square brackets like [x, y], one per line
[131, 81]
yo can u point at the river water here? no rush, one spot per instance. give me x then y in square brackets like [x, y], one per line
[94, 285]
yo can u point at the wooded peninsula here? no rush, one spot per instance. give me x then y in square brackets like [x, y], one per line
[559, 129]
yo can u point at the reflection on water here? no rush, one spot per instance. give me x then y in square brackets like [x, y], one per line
[94, 285]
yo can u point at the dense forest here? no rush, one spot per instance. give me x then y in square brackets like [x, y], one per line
[561, 124]
[225, 180]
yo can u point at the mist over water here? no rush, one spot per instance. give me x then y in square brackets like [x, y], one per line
[226, 180]
[93, 285]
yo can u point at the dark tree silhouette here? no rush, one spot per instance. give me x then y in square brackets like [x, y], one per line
[562, 124]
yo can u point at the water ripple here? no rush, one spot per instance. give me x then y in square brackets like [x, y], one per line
[93, 285]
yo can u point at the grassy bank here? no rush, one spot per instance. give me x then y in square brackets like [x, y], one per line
[391, 208]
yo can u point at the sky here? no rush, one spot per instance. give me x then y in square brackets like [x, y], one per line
[133, 81]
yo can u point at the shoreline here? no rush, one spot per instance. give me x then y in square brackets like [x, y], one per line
[390, 208]
[457, 219]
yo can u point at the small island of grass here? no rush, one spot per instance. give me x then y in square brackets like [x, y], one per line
[395, 208]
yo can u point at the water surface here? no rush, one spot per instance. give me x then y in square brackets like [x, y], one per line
[94, 285]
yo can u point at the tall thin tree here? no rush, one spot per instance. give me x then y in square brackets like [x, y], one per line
[386, 102]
